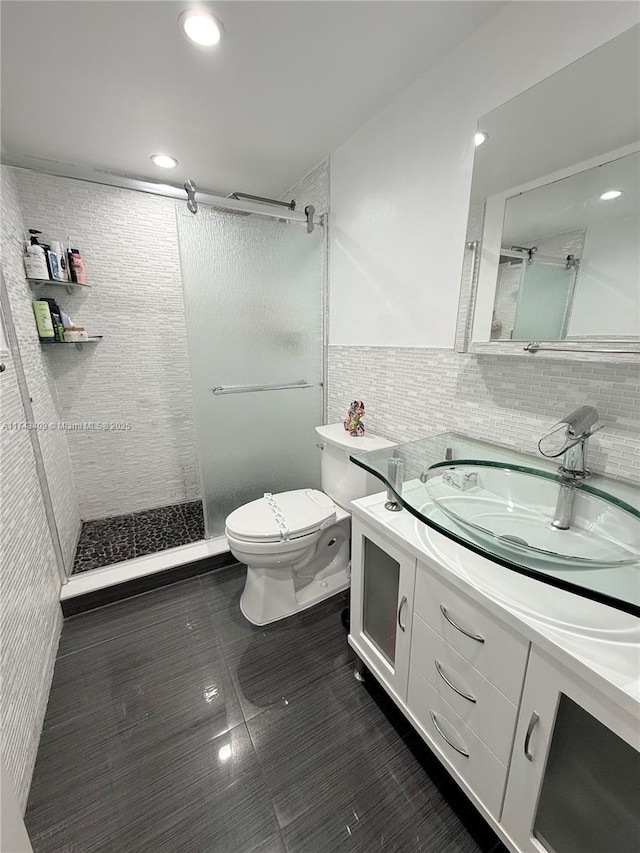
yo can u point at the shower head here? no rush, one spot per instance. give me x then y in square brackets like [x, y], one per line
[190, 189]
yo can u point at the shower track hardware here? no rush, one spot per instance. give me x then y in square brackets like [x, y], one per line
[533, 347]
[530, 256]
[244, 389]
[524, 251]
[310, 211]
[190, 189]
[177, 192]
[290, 205]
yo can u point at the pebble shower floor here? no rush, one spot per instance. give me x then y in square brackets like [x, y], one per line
[123, 537]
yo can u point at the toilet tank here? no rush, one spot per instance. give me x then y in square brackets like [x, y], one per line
[341, 479]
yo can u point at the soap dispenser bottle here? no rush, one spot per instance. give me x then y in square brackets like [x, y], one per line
[35, 257]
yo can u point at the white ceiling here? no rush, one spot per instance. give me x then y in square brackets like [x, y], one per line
[107, 84]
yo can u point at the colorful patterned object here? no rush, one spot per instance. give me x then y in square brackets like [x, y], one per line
[352, 421]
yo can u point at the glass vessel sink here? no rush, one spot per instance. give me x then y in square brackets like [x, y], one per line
[501, 503]
[514, 509]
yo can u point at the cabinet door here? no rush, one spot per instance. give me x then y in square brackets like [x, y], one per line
[575, 770]
[382, 583]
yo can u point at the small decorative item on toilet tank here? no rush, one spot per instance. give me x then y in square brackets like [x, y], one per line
[352, 422]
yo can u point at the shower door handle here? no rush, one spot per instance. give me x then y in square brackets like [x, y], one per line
[244, 389]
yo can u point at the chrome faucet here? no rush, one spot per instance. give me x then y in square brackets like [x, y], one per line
[577, 426]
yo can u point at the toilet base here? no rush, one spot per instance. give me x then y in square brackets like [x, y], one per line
[270, 596]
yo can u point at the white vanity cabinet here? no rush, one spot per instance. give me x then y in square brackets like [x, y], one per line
[456, 669]
[532, 736]
[382, 584]
[574, 782]
[466, 674]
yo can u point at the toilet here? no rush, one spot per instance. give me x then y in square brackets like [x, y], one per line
[296, 545]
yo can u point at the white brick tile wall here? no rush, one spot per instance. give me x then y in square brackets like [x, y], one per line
[30, 614]
[313, 189]
[410, 393]
[139, 373]
[39, 371]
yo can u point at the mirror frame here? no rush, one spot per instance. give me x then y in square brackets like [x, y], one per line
[479, 284]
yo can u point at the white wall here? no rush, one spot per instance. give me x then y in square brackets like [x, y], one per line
[607, 295]
[400, 185]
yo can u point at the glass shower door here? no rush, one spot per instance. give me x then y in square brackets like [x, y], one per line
[544, 302]
[254, 299]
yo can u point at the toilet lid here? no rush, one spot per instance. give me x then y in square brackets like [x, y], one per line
[286, 515]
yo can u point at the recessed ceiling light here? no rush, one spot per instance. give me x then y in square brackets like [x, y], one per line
[480, 137]
[610, 194]
[164, 161]
[200, 27]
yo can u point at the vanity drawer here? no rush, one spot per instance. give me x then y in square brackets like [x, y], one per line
[487, 643]
[480, 769]
[480, 705]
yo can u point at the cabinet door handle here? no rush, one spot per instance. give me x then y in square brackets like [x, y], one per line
[475, 637]
[445, 738]
[533, 722]
[455, 689]
[403, 601]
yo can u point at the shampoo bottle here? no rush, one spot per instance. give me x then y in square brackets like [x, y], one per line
[56, 247]
[44, 322]
[71, 270]
[54, 265]
[56, 318]
[78, 266]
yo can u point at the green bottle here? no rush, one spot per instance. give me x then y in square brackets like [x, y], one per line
[42, 313]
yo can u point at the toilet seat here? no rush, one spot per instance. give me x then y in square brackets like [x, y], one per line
[282, 517]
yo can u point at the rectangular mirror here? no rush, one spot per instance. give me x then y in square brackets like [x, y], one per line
[556, 186]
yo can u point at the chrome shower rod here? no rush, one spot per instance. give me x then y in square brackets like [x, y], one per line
[290, 205]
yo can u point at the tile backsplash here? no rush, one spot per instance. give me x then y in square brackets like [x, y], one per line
[413, 392]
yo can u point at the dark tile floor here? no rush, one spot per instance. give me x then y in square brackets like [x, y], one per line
[122, 537]
[174, 726]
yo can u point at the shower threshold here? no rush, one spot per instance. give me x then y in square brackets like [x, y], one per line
[108, 541]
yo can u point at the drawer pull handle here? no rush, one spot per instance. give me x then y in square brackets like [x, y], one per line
[402, 604]
[455, 689]
[475, 637]
[533, 722]
[444, 737]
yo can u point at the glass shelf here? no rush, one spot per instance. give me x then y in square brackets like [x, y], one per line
[94, 339]
[480, 495]
[70, 286]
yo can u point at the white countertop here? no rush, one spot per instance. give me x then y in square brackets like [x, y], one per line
[596, 642]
